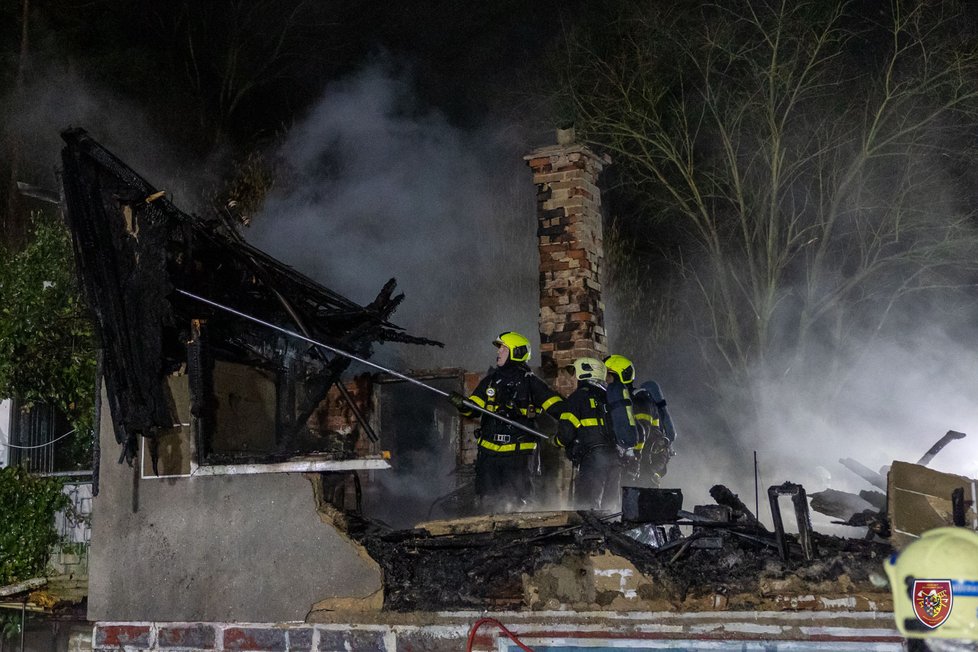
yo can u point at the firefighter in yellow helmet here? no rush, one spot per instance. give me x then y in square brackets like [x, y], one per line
[934, 581]
[621, 410]
[584, 432]
[656, 435]
[646, 463]
[506, 453]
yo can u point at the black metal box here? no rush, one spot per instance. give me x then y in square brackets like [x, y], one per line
[643, 505]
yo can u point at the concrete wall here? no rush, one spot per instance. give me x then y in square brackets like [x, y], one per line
[226, 548]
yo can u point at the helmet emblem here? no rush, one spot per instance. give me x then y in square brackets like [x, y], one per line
[490, 392]
[932, 601]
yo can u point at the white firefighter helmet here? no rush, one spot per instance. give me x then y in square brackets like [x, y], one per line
[589, 369]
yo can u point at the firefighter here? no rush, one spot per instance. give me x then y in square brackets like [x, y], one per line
[934, 581]
[621, 413]
[654, 449]
[506, 454]
[585, 433]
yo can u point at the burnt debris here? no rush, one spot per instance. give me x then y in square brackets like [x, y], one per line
[716, 557]
[524, 566]
[134, 248]
[873, 510]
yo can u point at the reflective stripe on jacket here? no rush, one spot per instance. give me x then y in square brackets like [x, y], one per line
[512, 391]
[582, 425]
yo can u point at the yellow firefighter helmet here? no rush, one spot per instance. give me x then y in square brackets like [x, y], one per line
[622, 367]
[934, 581]
[519, 346]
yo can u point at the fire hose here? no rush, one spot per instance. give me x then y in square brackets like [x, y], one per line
[484, 621]
[415, 381]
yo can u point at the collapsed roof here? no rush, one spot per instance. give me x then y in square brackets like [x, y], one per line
[134, 250]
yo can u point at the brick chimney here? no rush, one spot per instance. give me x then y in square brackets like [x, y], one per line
[571, 255]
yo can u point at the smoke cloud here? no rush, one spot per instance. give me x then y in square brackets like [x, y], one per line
[381, 186]
[891, 399]
[54, 99]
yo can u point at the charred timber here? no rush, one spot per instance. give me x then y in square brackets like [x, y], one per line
[839, 504]
[422, 572]
[133, 247]
[741, 512]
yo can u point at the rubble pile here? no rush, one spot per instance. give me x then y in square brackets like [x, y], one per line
[577, 560]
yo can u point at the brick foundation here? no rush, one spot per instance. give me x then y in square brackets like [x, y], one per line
[445, 632]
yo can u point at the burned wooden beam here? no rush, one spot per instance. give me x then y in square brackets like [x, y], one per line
[800, 502]
[867, 474]
[724, 496]
[874, 498]
[133, 248]
[839, 504]
[939, 445]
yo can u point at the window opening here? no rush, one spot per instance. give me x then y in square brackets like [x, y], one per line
[422, 433]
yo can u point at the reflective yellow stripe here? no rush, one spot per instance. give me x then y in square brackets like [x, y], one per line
[639, 446]
[567, 416]
[577, 423]
[550, 401]
[631, 417]
[507, 448]
[478, 401]
[642, 416]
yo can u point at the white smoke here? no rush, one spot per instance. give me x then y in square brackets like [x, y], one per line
[379, 186]
[55, 99]
[892, 401]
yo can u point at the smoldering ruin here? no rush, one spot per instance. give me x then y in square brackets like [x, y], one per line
[213, 393]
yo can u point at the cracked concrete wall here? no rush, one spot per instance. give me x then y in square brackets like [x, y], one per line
[249, 548]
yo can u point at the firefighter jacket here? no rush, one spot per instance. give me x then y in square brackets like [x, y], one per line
[646, 417]
[583, 426]
[514, 392]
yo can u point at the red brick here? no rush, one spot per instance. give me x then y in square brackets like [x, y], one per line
[554, 266]
[254, 638]
[122, 635]
[196, 636]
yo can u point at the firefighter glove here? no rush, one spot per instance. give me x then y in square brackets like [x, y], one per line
[460, 402]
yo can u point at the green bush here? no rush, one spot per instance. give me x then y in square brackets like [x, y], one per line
[47, 346]
[27, 532]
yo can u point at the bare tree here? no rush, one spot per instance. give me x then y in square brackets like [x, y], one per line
[810, 157]
[13, 229]
[232, 49]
